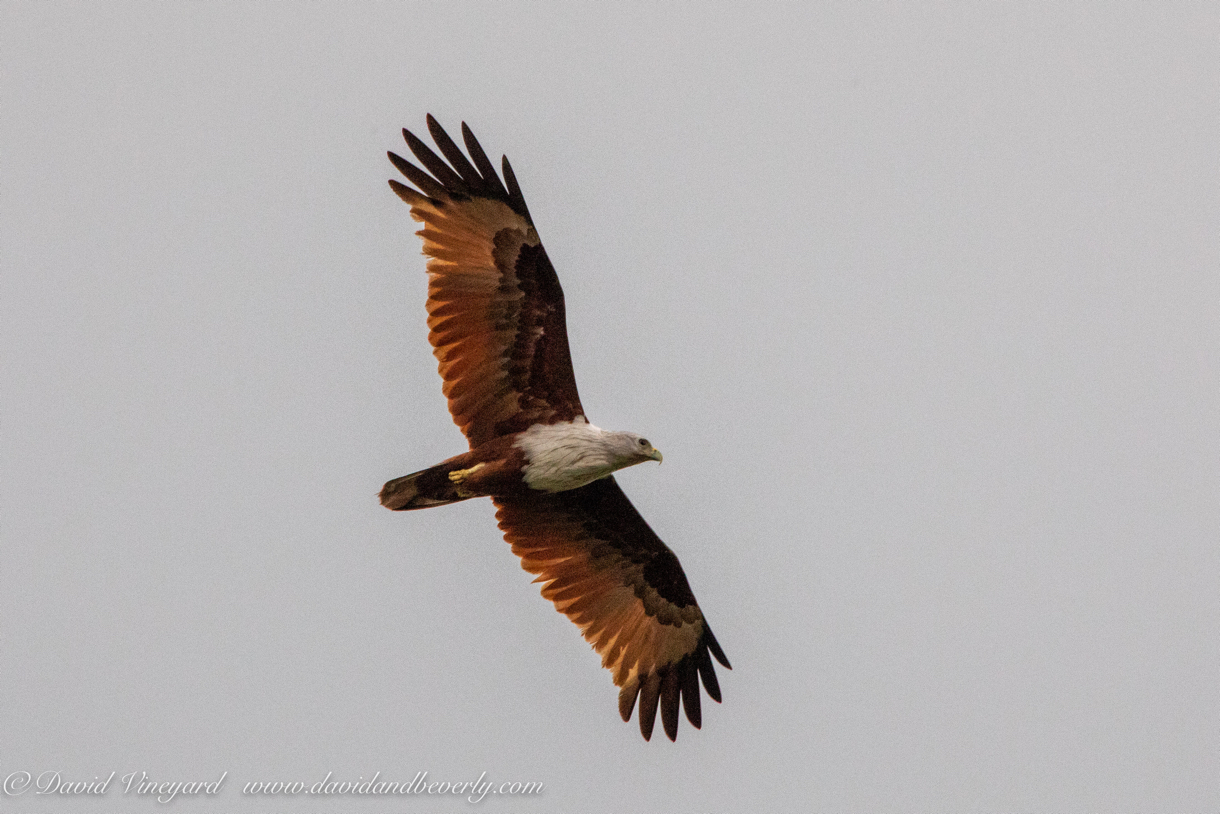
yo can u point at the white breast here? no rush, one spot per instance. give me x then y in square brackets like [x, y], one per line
[564, 456]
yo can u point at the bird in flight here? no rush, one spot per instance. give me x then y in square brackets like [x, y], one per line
[497, 327]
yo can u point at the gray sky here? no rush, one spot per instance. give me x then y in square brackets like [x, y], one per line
[920, 302]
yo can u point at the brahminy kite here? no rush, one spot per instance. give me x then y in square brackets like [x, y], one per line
[496, 324]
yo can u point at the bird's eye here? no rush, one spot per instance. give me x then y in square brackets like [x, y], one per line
[644, 442]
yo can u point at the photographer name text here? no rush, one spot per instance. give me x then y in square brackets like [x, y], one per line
[141, 784]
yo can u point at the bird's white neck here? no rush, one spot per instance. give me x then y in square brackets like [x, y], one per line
[564, 456]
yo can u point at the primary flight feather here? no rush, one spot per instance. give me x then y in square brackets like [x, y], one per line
[497, 327]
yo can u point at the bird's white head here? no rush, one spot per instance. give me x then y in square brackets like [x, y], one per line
[630, 449]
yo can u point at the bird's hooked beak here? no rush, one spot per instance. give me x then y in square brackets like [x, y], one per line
[656, 455]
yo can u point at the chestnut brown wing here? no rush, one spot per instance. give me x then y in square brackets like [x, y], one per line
[602, 565]
[495, 307]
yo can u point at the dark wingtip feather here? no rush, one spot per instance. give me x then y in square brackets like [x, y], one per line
[459, 161]
[671, 689]
[408, 195]
[714, 646]
[708, 674]
[414, 142]
[690, 693]
[626, 700]
[650, 694]
[515, 199]
[483, 162]
[436, 165]
[418, 177]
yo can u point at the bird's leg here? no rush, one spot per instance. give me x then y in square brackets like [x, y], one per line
[459, 476]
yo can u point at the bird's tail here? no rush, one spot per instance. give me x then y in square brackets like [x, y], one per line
[421, 490]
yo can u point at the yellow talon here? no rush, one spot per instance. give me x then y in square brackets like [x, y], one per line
[460, 475]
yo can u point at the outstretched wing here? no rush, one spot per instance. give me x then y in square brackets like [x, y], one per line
[495, 307]
[602, 565]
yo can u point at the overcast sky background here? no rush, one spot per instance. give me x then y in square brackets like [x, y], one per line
[920, 301]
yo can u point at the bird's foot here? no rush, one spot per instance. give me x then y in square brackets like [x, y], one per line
[460, 475]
